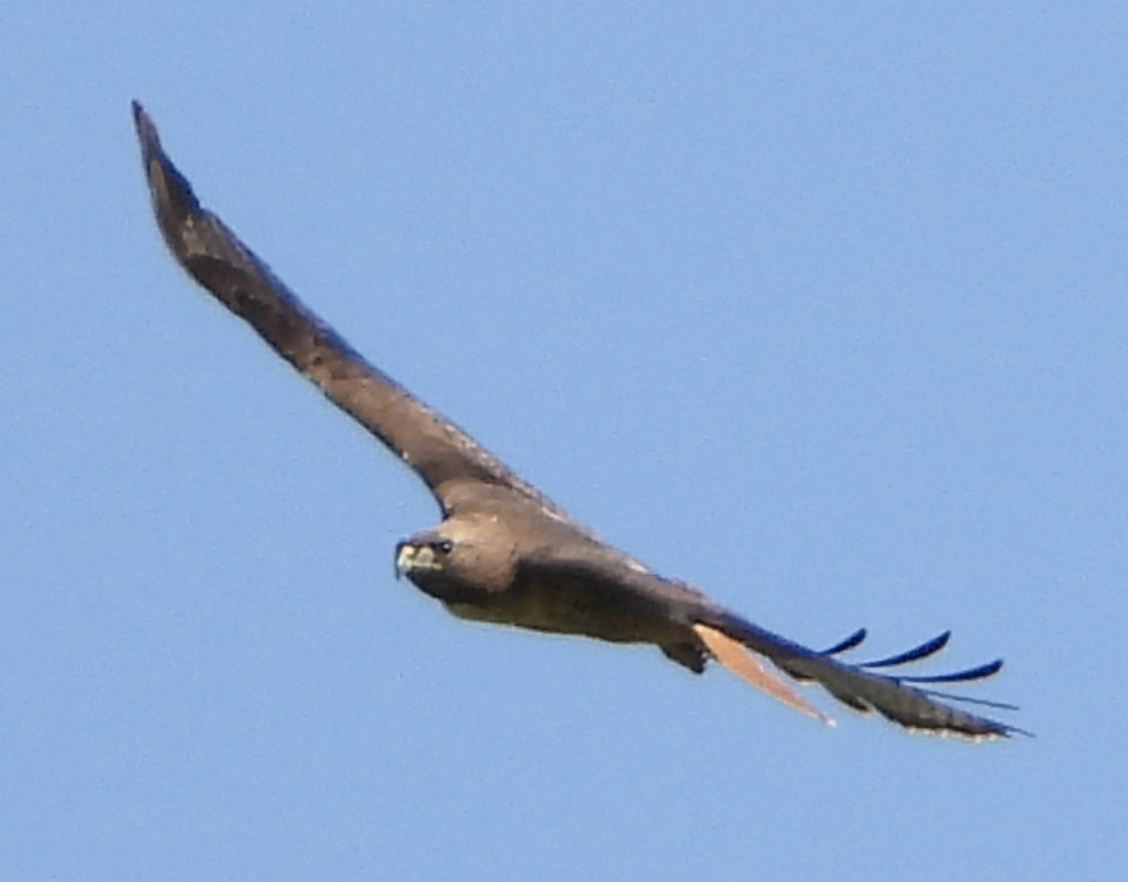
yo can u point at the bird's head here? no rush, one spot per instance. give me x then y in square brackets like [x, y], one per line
[459, 560]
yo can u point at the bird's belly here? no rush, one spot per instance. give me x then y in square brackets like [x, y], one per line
[560, 610]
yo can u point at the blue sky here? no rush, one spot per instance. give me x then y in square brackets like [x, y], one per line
[822, 308]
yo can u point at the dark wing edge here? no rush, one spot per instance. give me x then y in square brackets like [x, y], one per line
[443, 455]
[899, 698]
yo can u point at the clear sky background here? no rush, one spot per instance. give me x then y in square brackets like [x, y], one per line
[822, 307]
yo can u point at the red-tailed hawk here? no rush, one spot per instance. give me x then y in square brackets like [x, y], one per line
[503, 552]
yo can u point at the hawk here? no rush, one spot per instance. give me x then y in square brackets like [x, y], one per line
[503, 552]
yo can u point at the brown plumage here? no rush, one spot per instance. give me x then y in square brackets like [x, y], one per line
[503, 552]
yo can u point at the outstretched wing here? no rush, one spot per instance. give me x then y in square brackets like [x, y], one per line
[443, 455]
[904, 699]
[601, 596]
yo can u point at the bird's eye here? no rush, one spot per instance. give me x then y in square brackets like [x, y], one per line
[444, 547]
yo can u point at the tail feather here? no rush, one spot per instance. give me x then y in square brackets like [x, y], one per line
[737, 659]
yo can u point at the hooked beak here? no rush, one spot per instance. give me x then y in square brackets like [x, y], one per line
[411, 558]
[405, 554]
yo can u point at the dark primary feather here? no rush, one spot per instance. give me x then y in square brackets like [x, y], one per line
[929, 647]
[980, 672]
[926, 649]
[893, 696]
[573, 584]
[847, 643]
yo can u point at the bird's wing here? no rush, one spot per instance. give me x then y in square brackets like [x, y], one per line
[904, 699]
[444, 456]
[646, 605]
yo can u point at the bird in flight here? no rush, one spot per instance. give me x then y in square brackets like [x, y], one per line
[503, 552]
